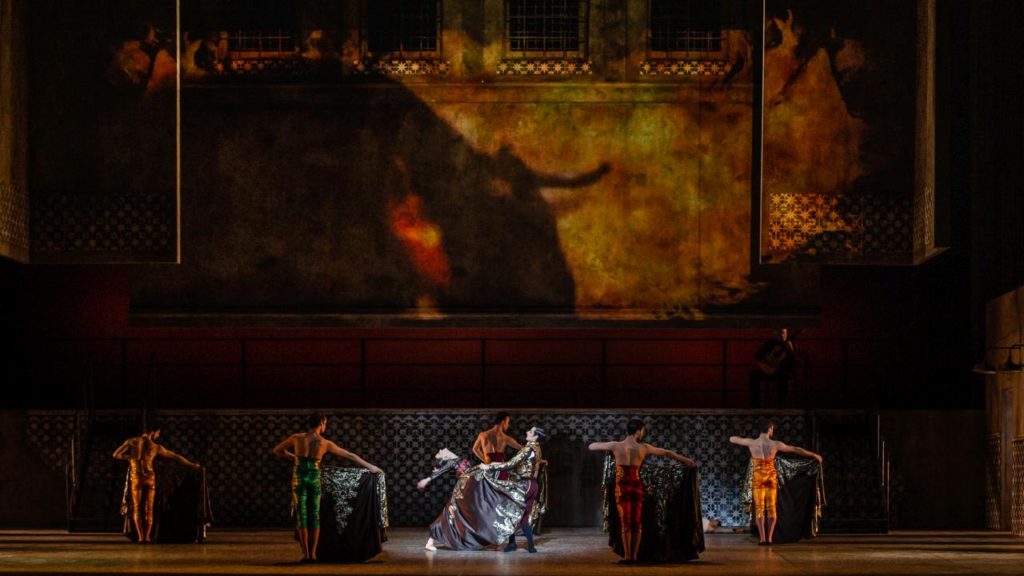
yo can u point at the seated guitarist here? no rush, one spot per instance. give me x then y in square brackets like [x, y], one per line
[776, 363]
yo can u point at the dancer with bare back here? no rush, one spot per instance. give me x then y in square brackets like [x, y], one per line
[629, 454]
[306, 449]
[490, 445]
[765, 478]
[140, 452]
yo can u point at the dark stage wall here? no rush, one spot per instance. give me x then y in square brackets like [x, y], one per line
[885, 338]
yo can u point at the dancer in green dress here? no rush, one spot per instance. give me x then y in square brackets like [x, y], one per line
[306, 449]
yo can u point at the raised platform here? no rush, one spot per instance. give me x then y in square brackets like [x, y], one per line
[562, 552]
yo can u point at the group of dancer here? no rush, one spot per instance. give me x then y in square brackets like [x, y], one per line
[492, 501]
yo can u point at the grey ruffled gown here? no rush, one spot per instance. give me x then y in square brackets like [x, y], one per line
[485, 510]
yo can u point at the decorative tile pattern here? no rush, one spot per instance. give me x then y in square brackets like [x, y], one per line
[550, 67]
[14, 221]
[852, 473]
[50, 435]
[685, 68]
[250, 487]
[275, 67]
[1017, 512]
[406, 67]
[849, 225]
[993, 482]
[114, 226]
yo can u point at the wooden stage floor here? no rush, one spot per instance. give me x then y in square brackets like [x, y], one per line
[562, 552]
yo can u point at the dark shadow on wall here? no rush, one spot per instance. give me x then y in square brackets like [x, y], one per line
[353, 197]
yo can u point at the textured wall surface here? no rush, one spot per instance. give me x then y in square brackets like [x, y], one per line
[14, 205]
[839, 131]
[102, 143]
[250, 487]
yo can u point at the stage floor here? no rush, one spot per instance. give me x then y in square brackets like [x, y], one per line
[562, 552]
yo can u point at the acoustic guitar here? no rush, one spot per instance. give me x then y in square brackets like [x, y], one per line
[769, 361]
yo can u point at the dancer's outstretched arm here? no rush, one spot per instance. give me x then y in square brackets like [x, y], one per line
[176, 457]
[339, 451]
[512, 442]
[655, 451]
[798, 450]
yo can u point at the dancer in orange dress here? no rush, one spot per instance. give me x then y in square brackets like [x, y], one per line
[765, 478]
[140, 452]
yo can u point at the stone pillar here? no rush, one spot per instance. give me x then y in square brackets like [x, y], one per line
[993, 457]
[1004, 406]
[1004, 481]
[14, 208]
[1013, 385]
[924, 149]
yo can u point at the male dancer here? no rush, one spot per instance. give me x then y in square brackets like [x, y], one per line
[490, 445]
[306, 449]
[630, 453]
[140, 452]
[765, 478]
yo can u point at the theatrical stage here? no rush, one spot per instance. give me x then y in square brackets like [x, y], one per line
[561, 551]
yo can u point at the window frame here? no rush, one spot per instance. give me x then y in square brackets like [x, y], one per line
[583, 38]
[401, 53]
[653, 54]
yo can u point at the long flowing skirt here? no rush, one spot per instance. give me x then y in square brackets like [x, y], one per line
[799, 500]
[181, 510]
[353, 514]
[672, 527]
[484, 510]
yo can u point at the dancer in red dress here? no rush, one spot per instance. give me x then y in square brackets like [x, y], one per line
[629, 454]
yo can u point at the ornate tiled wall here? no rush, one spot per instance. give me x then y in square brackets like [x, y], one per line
[1017, 514]
[14, 214]
[14, 231]
[249, 486]
[822, 225]
[685, 68]
[116, 226]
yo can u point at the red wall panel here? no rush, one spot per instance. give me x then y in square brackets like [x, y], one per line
[422, 386]
[184, 352]
[543, 386]
[285, 351]
[664, 352]
[544, 351]
[423, 351]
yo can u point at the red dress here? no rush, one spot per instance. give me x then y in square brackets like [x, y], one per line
[629, 497]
